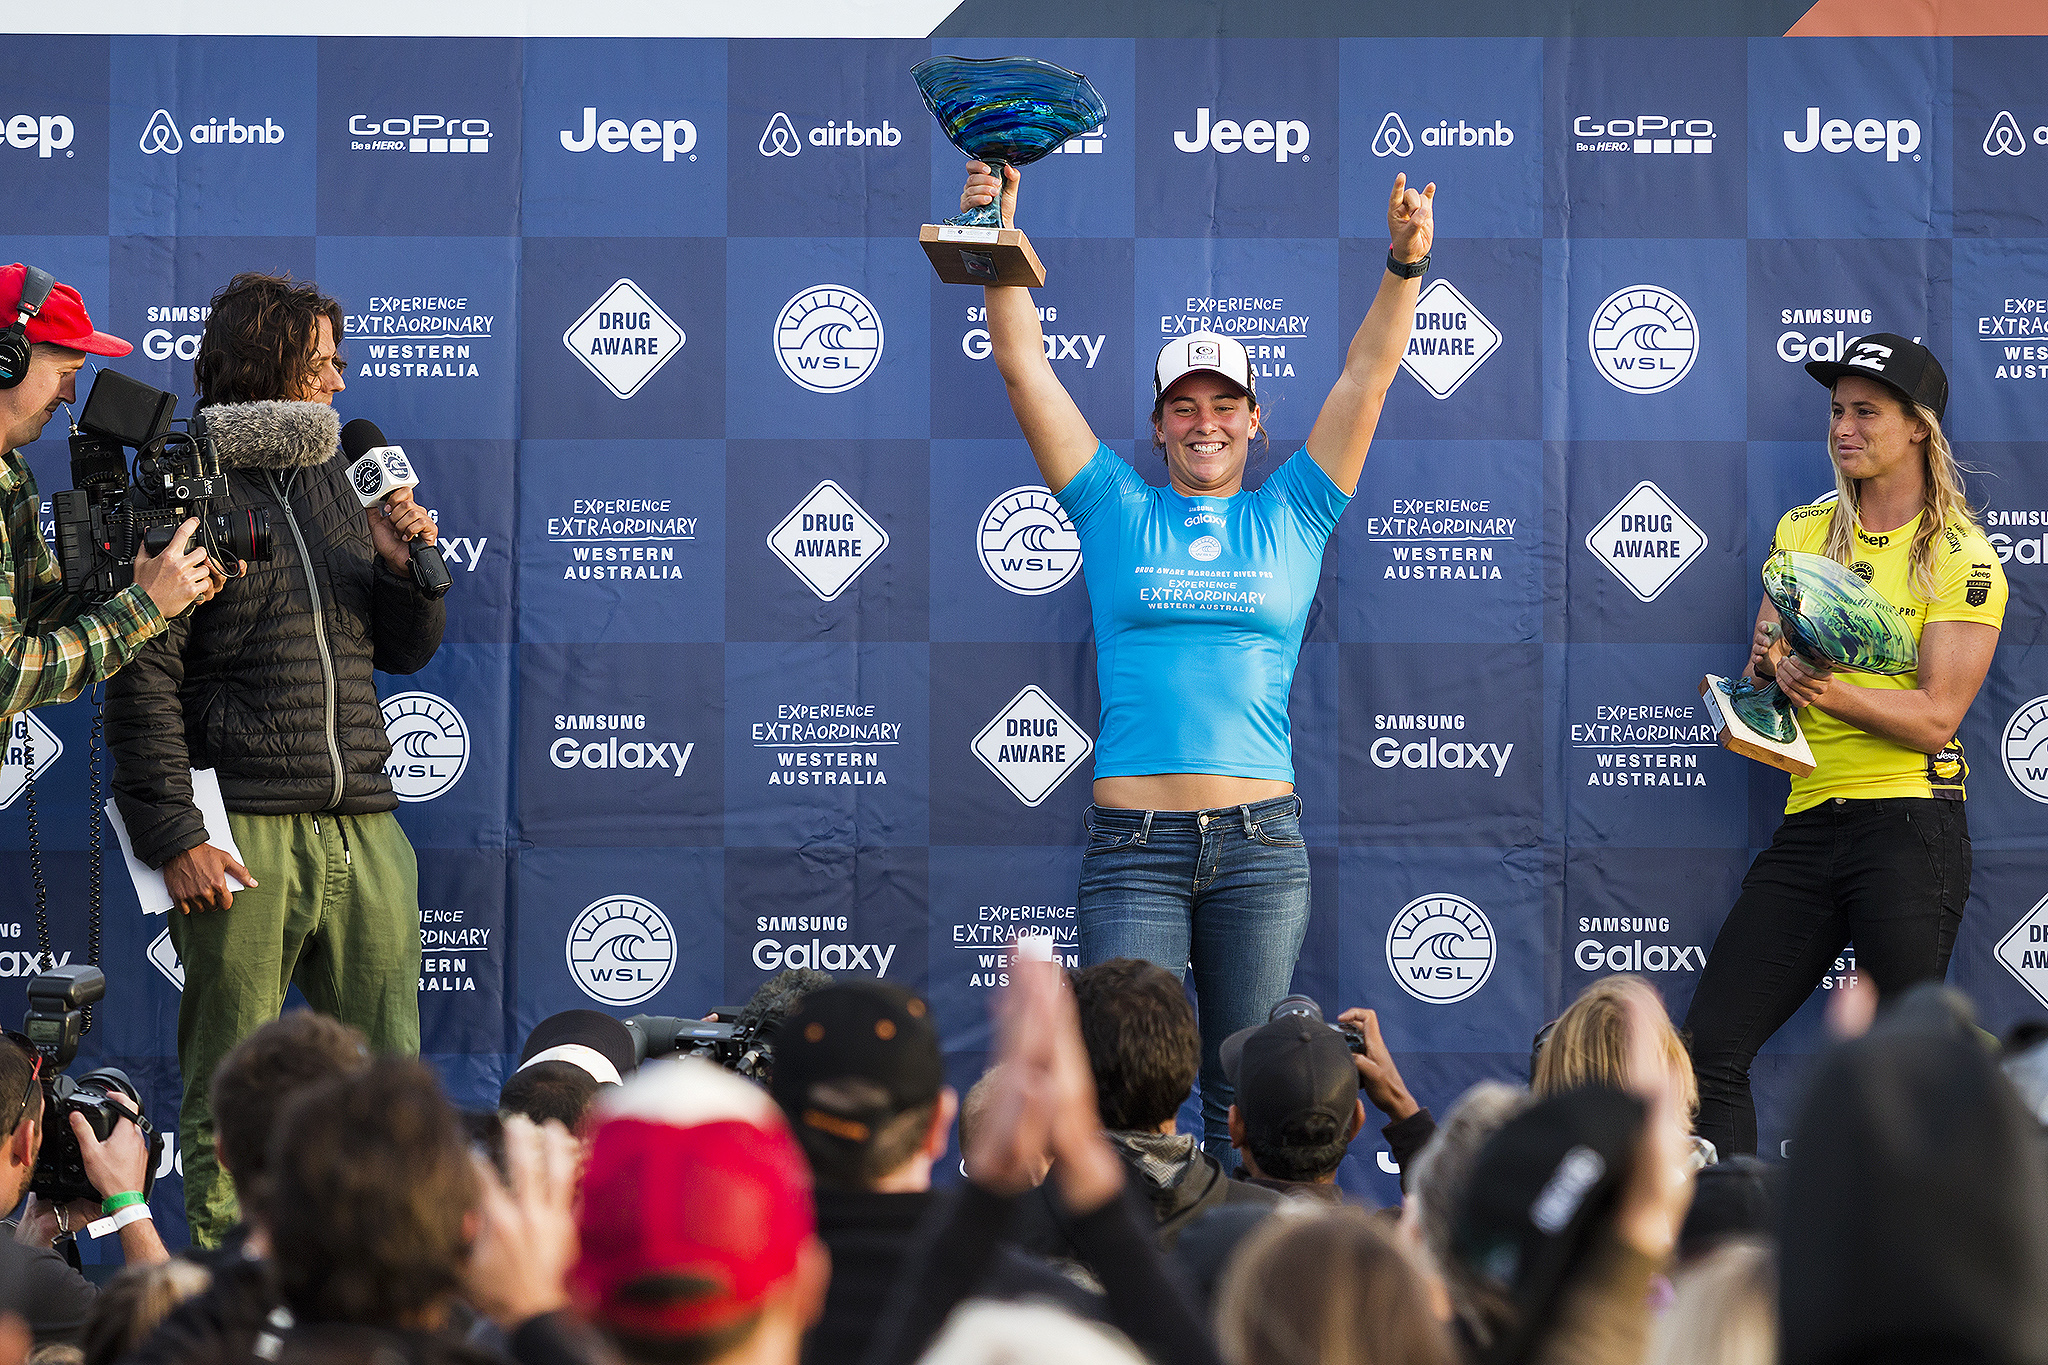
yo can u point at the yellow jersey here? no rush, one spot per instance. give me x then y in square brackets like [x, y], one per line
[1849, 762]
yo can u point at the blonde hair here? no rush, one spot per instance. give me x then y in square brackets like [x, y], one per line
[1589, 1043]
[1945, 503]
[135, 1302]
[1724, 1310]
[1327, 1288]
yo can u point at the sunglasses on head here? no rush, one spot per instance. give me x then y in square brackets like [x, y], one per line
[35, 1072]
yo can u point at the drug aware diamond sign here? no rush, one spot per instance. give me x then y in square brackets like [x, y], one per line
[1032, 745]
[1451, 340]
[1646, 540]
[2024, 951]
[624, 338]
[25, 734]
[827, 540]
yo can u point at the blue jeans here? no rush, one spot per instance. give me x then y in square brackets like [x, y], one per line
[1225, 891]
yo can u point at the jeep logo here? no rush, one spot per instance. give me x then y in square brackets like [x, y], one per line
[1281, 137]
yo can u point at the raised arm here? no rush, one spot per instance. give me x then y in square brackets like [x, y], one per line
[1053, 426]
[1343, 430]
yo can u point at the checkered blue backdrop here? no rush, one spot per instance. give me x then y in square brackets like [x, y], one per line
[756, 583]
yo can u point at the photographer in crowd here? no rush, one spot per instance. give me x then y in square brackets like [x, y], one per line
[270, 686]
[859, 1075]
[41, 353]
[58, 1299]
[1299, 1083]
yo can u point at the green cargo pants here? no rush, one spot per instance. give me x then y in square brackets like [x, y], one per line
[337, 914]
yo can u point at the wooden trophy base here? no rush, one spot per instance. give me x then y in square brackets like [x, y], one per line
[981, 255]
[1736, 734]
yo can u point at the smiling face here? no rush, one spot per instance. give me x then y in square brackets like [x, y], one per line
[1206, 424]
[52, 380]
[1872, 432]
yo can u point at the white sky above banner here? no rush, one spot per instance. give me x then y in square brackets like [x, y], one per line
[496, 18]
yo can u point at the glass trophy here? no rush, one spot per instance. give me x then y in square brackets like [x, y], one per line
[1002, 111]
[1830, 618]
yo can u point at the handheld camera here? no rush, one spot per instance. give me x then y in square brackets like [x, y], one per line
[55, 1022]
[109, 513]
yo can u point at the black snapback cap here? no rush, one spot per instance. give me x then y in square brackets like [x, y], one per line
[1287, 1069]
[1894, 361]
[853, 1056]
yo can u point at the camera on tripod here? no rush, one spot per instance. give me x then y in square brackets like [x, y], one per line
[55, 1022]
[108, 513]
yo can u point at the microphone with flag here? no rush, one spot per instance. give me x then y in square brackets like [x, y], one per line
[377, 470]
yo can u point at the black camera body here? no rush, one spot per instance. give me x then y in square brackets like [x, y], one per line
[54, 1024]
[107, 514]
[1303, 1007]
[739, 1044]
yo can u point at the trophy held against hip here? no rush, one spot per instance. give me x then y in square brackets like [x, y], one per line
[1003, 111]
[1831, 619]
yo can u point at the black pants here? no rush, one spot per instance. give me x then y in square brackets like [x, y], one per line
[1892, 875]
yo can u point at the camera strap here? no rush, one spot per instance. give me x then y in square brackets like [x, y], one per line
[94, 813]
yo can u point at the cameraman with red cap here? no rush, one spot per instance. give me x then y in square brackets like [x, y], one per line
[41, 353]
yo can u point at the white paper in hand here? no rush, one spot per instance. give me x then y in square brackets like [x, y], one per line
[149, 883]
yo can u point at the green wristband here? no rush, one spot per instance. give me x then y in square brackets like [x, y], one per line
[113, 1203]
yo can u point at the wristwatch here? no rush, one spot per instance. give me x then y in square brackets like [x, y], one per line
[1406, 270]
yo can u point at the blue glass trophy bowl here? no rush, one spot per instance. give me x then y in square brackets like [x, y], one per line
[1002, 111]
[1829, 617]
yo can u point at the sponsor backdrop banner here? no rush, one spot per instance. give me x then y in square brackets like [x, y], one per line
[768, 648]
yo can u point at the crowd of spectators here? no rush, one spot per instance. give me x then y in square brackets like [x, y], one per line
[674, 1213]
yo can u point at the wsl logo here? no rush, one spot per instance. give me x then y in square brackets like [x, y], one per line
[429, 745]
[828, 339]
[1440, 948]
[621, 950]
[2025, 748]
[1643, 338]
[1026, 542]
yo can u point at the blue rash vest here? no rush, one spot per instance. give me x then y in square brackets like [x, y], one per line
[1199, 607]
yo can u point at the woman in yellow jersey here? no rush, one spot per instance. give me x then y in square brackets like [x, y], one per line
[1874, 847]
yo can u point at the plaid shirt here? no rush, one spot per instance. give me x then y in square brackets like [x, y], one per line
[39, 670]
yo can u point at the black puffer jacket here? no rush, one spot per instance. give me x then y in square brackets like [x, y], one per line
[268, 684]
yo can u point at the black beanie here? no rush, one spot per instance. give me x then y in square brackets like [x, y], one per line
[1914, 1219]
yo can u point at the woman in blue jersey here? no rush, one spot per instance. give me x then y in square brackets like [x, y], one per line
[1200, 591]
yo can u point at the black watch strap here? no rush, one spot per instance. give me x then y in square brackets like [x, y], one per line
[1406, 270]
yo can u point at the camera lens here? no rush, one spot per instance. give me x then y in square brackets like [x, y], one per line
[244, 532]
[1300, 1006]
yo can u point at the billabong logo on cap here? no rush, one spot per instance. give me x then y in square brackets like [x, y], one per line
[1870, 355]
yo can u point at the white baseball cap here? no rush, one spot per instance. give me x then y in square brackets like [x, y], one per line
[1202, 351]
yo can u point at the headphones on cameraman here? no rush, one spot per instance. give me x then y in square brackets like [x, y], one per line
[14, 345]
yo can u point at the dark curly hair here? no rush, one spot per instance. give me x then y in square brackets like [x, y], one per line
[369, 1183]
[1141, 1040]
[259, 339]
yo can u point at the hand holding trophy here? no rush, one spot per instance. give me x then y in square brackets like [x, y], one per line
[1004, 111]
[1832, 620]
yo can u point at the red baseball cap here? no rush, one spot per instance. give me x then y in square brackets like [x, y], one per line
[696, 1203]
[63, 320]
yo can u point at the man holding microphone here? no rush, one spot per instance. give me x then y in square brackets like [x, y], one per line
[270, 686]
